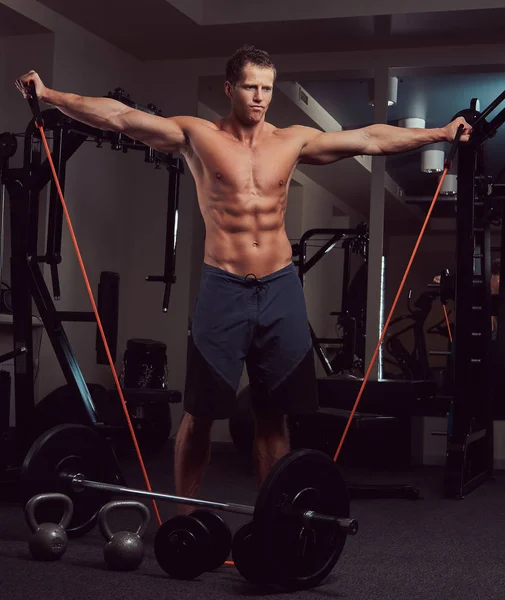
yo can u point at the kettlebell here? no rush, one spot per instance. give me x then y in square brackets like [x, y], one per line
[124, 550]
[48, 540]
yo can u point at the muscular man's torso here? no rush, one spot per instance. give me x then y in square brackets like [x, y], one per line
[242, 192]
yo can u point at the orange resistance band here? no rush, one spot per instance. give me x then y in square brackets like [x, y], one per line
[395, 302]
[447, 322]
[98, 320]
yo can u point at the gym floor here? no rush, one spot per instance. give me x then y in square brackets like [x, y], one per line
[431, 548]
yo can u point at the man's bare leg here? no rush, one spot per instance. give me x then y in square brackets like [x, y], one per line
[271, 442]
[192, 455]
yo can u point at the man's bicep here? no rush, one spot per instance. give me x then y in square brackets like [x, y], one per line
[161, 133]
[327, 147]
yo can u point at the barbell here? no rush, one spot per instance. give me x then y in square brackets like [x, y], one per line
[301, 517]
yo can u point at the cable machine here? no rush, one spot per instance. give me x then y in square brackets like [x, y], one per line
[469, 457]
[24, 186]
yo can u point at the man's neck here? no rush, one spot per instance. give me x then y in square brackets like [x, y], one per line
[247, 134]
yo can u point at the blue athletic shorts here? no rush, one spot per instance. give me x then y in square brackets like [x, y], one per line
[262, 322]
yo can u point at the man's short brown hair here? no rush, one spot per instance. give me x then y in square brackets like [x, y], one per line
[247, 55]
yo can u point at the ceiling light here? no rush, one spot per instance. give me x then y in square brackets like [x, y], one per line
[449, 186]
[412, 123]
[392, 91]
[432, 161]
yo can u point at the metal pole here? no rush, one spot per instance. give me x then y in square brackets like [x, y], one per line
[78, 483]
[376, 224]
[2, 225]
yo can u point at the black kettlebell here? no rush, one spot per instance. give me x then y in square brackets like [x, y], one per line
[124, 550]
[48, 540]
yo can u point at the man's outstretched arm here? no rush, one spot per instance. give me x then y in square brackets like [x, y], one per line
[162, 134]
[324, 148]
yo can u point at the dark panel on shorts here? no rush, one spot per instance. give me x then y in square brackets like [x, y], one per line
[207, 395]
[296, 394]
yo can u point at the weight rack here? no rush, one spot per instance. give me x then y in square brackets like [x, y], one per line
[469, 457]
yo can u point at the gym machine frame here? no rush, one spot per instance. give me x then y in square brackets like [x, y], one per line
[353, 240]
[469, 456]
[27, 281]
[414, 365]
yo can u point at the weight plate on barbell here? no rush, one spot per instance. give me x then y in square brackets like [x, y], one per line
[220, 534]
[247, 556]
[182, 547]
[301, 555]
[75, 449]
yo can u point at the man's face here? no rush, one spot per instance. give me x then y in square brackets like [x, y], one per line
[251, 96]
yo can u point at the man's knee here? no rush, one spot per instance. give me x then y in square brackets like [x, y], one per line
[269, 423]
[196, 426]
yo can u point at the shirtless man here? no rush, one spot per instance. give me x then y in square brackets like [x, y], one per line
[250, 305]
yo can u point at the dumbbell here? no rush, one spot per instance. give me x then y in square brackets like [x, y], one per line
[48, 540]
[123, 550]
[187, 546]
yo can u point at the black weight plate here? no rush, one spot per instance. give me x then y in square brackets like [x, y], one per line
[247, 556]
[64, 406]
[300, 481]
[182, 547]
[220, 534]
[70, 448]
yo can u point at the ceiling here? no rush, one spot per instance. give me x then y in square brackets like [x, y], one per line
[14, 23]
[158, 30]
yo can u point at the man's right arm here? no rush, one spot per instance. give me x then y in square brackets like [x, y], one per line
[162, 134]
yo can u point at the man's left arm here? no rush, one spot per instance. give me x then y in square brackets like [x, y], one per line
[324, 148]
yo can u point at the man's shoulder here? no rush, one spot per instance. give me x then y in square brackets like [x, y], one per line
[297, 131]
[189, 122]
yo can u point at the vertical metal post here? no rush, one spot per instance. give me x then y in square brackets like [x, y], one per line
[2, 222]
[55, 220]
[500, 336]
[346, 278]
[469, 459]
[21, 300]
[376, 222]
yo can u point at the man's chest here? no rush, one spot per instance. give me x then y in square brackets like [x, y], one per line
[267, 164]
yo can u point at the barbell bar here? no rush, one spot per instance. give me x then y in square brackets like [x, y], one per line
[307, 518]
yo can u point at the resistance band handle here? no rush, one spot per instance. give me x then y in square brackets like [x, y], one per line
[454, 147]
[33, 102]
